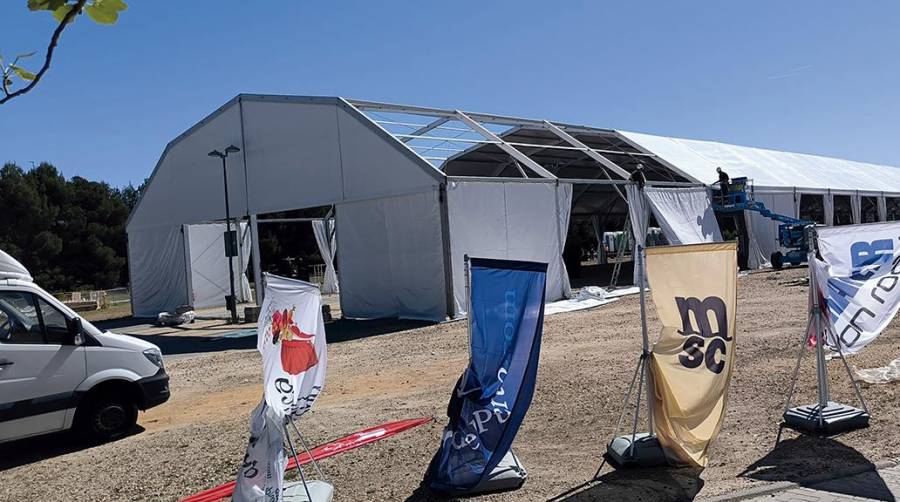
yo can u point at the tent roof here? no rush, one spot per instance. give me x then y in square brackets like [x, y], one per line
[769, 168]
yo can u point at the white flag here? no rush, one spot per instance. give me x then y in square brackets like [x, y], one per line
[261, 477]
[292, 343]
[291, 339]
[859, 281]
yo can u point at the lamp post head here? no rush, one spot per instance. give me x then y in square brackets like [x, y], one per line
[232, 149]
[216, 153]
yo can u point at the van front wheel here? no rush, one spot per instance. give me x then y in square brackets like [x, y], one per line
[107, 417]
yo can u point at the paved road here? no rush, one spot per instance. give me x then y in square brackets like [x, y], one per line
[883, 484]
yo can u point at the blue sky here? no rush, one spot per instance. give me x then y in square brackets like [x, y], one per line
[809, 76]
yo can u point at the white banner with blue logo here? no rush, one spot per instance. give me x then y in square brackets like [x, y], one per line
[859, 281]
[491, 397]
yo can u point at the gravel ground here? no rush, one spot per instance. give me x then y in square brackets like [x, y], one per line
[196, 440]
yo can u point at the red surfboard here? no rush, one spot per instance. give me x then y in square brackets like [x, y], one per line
[326, 450]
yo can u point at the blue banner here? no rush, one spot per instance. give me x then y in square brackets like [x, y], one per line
[491, 397]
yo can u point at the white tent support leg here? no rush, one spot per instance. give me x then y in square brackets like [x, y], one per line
[257, 265]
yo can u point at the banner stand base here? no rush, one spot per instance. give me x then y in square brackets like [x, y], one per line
[320, 491]
[836, 418]
[646, 451]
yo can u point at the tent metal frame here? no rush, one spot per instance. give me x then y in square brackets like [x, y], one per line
[476, 132]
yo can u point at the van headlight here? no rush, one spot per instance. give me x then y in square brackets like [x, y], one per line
[155, 357]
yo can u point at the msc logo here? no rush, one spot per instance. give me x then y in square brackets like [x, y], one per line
[704, 344]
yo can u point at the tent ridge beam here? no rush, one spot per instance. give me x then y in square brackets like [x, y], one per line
[597, 157]
[506, 147]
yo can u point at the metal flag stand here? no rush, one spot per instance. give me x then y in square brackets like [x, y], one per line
[825, 417]
[640, 449]
[293, 449]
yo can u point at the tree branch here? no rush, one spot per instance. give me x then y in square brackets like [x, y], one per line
[76, 8]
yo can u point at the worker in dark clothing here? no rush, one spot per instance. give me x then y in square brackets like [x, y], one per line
[638, 176]
[724, 181]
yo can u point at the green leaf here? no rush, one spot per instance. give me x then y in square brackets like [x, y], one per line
[60, 13]
[105, 11]
[51, 5]
[23, 73]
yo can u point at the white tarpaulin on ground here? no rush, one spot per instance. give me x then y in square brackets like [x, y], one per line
[885, 374]
[858, 280]
[291, 339]
[10, 268]
[205, 245]
[525, 221]
[684, 214]
[324, 232]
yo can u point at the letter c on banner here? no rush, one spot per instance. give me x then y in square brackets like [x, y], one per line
[715, 345]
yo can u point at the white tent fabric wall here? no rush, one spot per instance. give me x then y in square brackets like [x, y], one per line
[765, 231]
[205, 244]
[10, 268]
[882, 208]
[391, 257]
[829, 209]
[684, 214]
[324, 232]
[158, 270]
[855, 208]
[510, 220]
[639, 214]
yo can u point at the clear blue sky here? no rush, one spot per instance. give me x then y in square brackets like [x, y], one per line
[808, 76]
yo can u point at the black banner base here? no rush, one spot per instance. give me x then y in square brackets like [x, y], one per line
[646, 451]
[835, 418]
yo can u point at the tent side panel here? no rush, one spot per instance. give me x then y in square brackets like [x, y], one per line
[293, 155]
[517, 221]
[209, 265]
[390, 257]
[375, 165]
[765, 231]
[158, 272]
[187, 186]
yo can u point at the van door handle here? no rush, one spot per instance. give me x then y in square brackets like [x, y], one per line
[6, 363]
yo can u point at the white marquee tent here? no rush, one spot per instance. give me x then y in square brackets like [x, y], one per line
[415, 189]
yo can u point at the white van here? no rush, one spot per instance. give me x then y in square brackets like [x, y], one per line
[57, 371]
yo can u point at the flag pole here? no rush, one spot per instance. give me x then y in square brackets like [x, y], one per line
[821, 366]
[824, 417]
[290, 442]
[645, 339]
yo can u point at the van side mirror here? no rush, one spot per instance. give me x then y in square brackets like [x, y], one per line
[74, 327]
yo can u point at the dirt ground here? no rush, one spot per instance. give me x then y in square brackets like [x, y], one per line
[196, 440]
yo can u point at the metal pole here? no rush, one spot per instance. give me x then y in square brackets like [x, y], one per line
[468, 279]
[257, 260]
[645, 340]
[821, 368]
[233, 305]
[290, 443]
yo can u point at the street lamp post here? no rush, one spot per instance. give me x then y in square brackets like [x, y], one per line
[231, 301]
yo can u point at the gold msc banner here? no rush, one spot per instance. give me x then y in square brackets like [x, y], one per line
[694, 288]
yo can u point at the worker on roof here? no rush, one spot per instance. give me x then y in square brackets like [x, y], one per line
[638, 176]
[724, 181]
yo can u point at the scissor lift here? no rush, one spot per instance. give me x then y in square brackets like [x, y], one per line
[791, 231]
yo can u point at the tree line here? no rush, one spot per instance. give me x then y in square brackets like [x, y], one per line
[69, 233]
